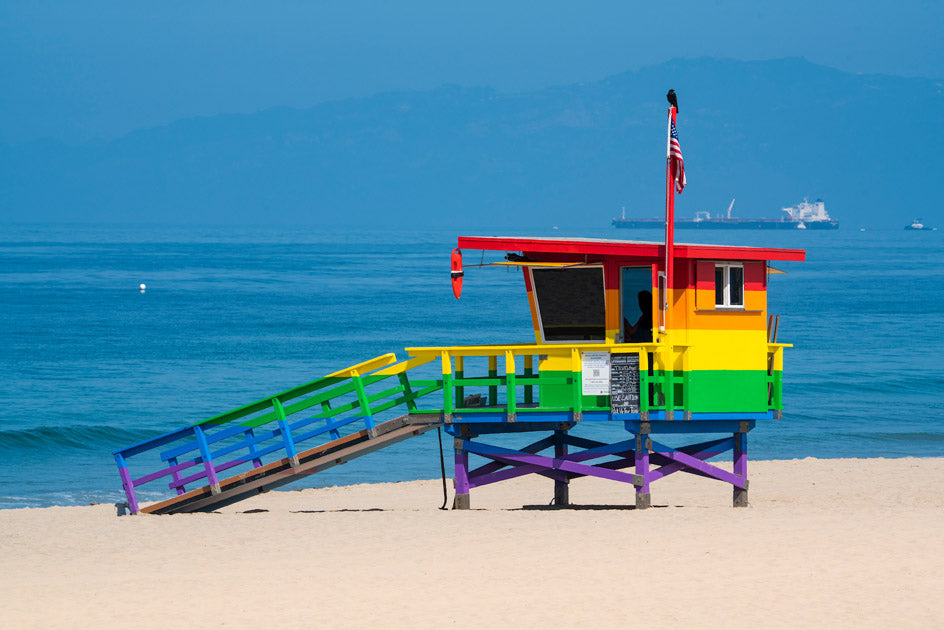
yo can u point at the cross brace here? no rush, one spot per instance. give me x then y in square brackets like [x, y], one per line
[508, 463]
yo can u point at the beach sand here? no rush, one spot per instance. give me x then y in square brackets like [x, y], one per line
[824, 543]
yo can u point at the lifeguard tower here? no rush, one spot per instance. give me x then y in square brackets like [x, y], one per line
[662, 339]
[706, 361]
[614, 341]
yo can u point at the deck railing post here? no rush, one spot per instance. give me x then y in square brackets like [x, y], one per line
[460, 373]
[528, 373]
[511, 394]
[668, 380]
[643, 382]
[448, 406]
[577, 385]
[492, 373]
[204, 447]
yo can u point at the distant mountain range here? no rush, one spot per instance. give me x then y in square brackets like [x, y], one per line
[767, 132]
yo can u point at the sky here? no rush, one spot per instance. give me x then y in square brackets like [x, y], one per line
[95, 70]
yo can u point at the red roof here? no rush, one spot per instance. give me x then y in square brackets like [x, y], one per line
[613, 248]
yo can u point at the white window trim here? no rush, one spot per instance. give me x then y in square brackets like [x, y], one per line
[537, 309]
[727, 306]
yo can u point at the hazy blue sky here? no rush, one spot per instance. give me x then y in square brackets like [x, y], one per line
[97, 69]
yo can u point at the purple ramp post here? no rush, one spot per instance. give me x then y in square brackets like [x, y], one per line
[740, 466]
[561, 487]
[462, 500]
[127, 483]
[643, 500]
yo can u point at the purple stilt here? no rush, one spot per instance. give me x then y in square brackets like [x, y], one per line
[643, 499]
[740, 467]
[461, 502]
[561, 487]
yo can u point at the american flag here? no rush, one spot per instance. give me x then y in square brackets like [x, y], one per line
[676, 163]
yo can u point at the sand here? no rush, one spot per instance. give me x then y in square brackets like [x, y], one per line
[825, 543]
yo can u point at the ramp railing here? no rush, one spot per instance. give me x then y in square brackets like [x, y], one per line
[274, 428]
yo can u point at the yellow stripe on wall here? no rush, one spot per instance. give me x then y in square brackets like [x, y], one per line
[726, 350]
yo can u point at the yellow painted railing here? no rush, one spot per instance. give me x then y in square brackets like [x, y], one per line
[512, 356]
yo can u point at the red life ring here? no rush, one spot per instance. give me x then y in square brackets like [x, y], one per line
[457, 272]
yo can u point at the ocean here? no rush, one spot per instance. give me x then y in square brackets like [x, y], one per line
[89, 364]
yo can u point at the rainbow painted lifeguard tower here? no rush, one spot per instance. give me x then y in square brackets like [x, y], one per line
[662, 339]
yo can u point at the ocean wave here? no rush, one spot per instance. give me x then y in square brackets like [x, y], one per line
[88, 437]
[916, 437]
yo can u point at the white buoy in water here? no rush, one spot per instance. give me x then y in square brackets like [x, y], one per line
[142, 287]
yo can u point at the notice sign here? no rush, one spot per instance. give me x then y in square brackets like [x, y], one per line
[625, 384]
[595, 367]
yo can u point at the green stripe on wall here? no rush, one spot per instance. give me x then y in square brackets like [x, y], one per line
[727, 391]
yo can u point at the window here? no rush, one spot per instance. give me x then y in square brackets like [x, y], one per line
[570, 303]
[636, 303]
[729, 285]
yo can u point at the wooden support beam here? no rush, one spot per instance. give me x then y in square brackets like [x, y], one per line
[561, 486]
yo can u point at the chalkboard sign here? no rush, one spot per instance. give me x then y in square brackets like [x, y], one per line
[624, 383]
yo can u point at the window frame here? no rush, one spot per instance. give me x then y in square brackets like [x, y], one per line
[622, 297]
[726, 304]
[537, 306]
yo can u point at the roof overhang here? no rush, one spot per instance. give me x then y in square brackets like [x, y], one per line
[604, 248]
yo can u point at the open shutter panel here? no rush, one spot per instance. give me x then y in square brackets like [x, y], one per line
[704, 284]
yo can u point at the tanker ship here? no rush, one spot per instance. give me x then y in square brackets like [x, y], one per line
[803, 216]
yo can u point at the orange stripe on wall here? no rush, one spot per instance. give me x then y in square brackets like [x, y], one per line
[686, 315]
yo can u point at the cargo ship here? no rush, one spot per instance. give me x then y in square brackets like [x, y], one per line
[803, 216]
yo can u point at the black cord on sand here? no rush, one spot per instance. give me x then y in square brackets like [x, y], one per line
[442, 466]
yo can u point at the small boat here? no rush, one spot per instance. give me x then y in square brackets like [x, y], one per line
[917, 225]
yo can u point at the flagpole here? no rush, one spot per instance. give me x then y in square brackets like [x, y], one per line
[669, 217]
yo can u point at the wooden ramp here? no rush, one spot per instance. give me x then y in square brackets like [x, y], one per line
[279, 439]
[284, 471]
